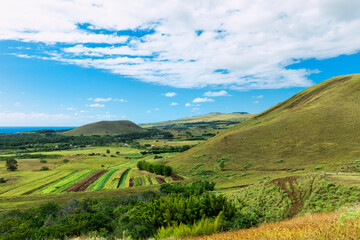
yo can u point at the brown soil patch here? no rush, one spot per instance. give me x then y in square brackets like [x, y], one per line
[160, 180]
[131, 182]
[177, 178]
[83, 184]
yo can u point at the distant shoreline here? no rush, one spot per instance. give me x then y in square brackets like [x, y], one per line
[7, 130]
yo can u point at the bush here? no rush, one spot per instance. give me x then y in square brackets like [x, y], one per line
[280, 160]
[44, 168]
[43, 161]
[247, 166]
[206, 226]
[318, 168]
[11, 164]
[2, 180]
[66, 160]
[158, 169]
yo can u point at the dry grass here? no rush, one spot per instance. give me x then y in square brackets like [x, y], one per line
[318, 226]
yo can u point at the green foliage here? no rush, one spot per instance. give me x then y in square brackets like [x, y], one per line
[2, 180]
[11, 164]
[205, 226]
[44, 168]
[107, 151]
[193, 188]
[280, 161]
[293, 170]
[66, 160]
[174, 209]
[318, 168]
[43, 161]
[247, 166]
[158, 169]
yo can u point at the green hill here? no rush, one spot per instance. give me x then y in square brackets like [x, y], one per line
[317, 128]
[106, 128]
[207, 118]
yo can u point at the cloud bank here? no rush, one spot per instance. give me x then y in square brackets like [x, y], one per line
[187, 44]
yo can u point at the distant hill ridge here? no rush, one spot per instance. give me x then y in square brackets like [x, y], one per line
[106, 128]
[319, 126]
[211, 117]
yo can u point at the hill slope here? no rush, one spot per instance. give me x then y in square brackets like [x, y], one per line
[106, 128]
[211, 117]
[317, 127]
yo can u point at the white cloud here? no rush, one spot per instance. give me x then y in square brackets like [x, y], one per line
[156, 109]
[102, 99]
[234, 44]
[170, 94]
[119, 100]
[258, 97]
[174, 104]
[216, 94]
[96, 105]
[148, 111]
[255, 102]
[17, 104]
[188, 104]
[201, 100]
[70, 108]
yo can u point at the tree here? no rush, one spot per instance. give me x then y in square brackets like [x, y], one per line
[11, 164]
[108, 151]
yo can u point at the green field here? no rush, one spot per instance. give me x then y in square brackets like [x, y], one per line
[28, 182]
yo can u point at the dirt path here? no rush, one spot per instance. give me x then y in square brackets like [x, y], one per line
[160, 180]
[296, 201]
[83, 184]
[123, 178]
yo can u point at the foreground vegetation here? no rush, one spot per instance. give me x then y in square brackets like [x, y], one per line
[320, 226]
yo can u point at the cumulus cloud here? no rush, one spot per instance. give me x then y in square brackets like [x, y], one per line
[170, 94]
[258, 97]
[174, 104]
[202, 100]
[97, 105]
[216, 94]
[189, 44]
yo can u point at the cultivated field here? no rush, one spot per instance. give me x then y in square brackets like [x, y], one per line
[88, 170]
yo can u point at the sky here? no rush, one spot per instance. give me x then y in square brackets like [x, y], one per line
[73, 62]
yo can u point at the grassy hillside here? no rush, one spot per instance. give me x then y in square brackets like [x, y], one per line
[315, 130]
[211, 117]
[106, 128]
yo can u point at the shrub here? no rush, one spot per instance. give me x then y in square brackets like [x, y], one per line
[318, 168]
[244, 174]
[66, 160]
[222, 165]
[227, 175]
[44, 168]
[43, 161]
[280, 160]
[2, 180]
[158, 169]
[247, 166]
[11, 164]
[293, 170]
[206, 226]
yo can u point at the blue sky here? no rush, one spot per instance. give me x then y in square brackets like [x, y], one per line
[68, 63]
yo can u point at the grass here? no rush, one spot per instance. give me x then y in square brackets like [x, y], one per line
[320, 226]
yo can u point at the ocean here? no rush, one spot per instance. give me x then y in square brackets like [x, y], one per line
[29, 129]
